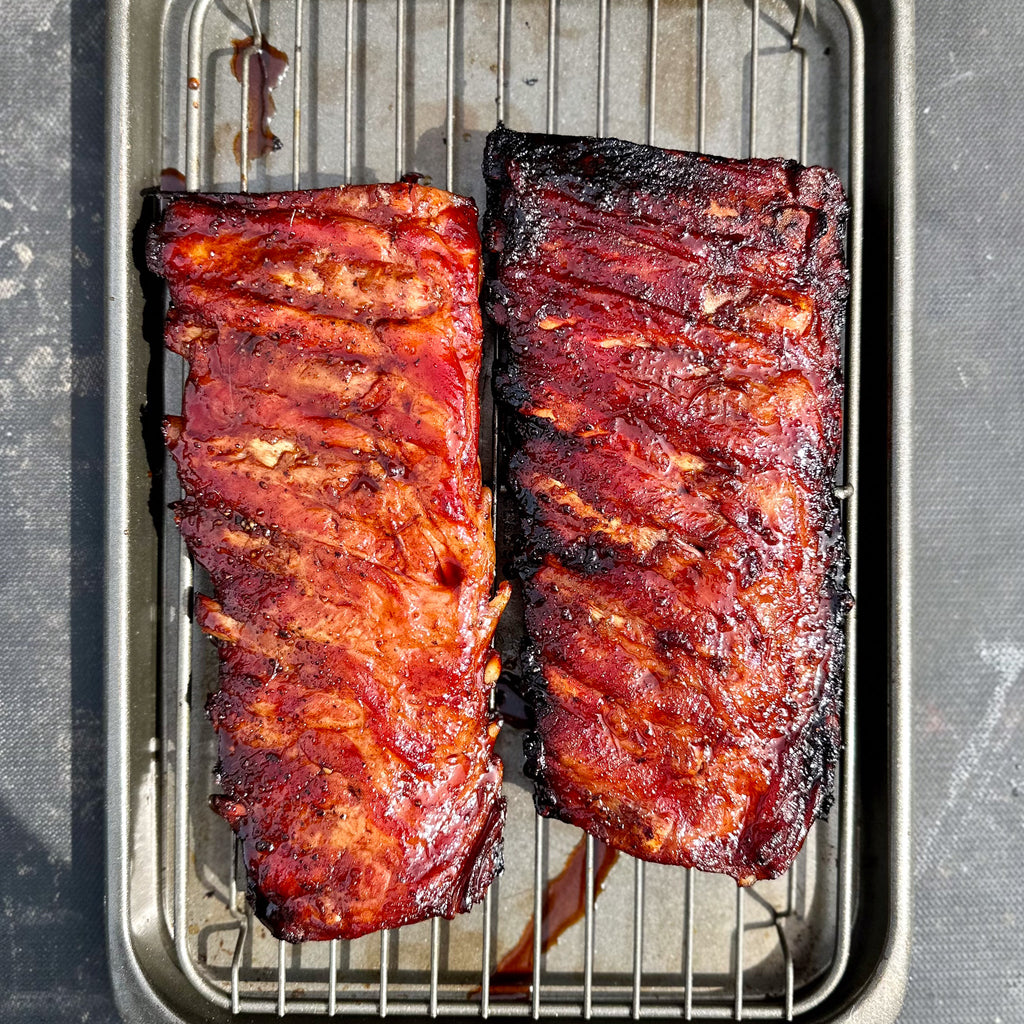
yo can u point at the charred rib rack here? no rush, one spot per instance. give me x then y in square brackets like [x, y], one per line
[327, 448]
[671, 325]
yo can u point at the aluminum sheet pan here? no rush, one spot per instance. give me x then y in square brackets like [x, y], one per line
[678, 74]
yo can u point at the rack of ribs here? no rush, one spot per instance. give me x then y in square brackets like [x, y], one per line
[670, 327]
[328, 454]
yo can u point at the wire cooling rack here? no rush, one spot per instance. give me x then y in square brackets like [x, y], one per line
[374, 90]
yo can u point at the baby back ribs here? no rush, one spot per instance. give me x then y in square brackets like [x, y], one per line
[671, 325]
[327, 449]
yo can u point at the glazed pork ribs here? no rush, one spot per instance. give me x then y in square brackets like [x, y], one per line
[671, 326]
[328, 453]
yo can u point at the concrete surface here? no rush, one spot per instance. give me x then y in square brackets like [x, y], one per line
[968, 961]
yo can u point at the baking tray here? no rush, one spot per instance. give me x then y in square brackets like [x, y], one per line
[373, 90]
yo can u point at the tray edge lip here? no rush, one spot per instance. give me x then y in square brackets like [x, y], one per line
[134, 996]
[883, 1001]
[882, 996]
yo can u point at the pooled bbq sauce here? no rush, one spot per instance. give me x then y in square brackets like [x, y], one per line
[172, 180]
[266, 69]
[565, 902]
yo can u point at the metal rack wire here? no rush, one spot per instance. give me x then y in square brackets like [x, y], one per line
[249, 987]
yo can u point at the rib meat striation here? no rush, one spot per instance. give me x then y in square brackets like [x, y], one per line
[327, 449]
[671, 325]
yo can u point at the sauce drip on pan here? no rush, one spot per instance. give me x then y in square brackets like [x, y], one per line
[266, 69]
[565, 901]
[172, 180]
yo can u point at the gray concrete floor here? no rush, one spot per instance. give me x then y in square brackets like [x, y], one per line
[968, 959]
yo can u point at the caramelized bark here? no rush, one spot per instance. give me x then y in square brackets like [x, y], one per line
[672, 327]
[327, 449]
